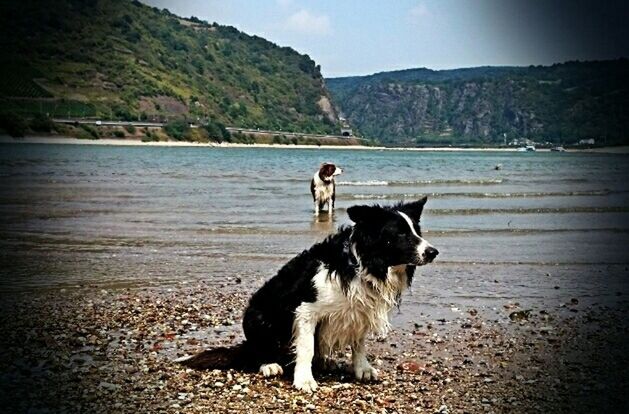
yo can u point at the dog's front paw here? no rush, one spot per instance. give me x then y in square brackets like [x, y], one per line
[304, 382]
[365, 372]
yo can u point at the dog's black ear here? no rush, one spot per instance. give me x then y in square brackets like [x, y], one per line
[366, 214]
[414, 209]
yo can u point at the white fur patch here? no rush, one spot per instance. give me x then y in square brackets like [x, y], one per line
[322, 192]
[271, 370]
[423, 245]
[362, 370]
[183, 358]
[304, 380]
[410, 223]
[346, 318]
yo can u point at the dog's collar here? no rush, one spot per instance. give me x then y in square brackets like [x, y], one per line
[351, 258]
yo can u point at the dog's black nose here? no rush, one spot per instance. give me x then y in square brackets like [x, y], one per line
[431, 253]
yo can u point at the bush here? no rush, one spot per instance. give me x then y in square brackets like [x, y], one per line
[41, 123]
[92, 133]
[119, 134]
[213, 130]
[238, 137]
[226, 134]
[177, 129]
[13, 124]
[130, 129]
[123, 113]
[150, 136]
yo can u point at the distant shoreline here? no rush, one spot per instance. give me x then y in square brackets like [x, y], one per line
[136, 142]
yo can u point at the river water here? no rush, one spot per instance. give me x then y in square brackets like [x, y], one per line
[543, 229]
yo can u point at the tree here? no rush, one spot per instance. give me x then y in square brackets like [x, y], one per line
[177, 129]
[13, 124]
[213, 131]
[41, 123]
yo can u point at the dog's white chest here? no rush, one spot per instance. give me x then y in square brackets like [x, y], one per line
[345, 318]
[323, 191]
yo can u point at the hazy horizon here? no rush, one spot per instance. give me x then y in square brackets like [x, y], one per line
[475, 67]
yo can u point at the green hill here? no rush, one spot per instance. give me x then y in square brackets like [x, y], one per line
[561, 103]
[118, 59]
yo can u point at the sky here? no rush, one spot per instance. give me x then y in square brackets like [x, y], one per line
[352, 37]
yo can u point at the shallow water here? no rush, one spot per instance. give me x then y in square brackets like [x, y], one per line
[109, 216]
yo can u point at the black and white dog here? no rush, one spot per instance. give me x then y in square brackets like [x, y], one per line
[330, 297]
[323, 187]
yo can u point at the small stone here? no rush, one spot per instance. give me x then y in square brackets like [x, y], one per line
[520, 315]
[108, 386]
[443, 409]
[409, 366]
[310, 407]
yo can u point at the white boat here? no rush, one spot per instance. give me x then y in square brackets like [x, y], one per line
[530, 148]
[558, 149]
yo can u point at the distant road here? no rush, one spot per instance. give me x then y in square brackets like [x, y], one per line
[141, 124]
[108, 123]
[288, 134]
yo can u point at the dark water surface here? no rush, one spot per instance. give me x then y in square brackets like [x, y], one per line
[543, 229]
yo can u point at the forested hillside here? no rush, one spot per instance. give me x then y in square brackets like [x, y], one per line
[561, 103]
[124, 60]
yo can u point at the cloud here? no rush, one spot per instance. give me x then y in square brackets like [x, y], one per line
[420, 11]
[284, 3]
[308, 23]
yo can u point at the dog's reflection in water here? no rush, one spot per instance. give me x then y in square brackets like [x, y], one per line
[323, 224]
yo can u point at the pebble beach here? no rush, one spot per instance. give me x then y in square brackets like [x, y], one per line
[100, 351]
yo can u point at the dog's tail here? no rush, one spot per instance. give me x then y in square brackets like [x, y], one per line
[237, 357]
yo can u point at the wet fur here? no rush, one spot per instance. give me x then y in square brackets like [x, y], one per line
[329, 297]
[323, 187]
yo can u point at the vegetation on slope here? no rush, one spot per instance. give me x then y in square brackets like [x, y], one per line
[561, 103]
[118, 59]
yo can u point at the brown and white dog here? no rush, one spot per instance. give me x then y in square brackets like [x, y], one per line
[323, 188]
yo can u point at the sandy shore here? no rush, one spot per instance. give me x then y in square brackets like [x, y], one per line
[137, 142]
[90, 350]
